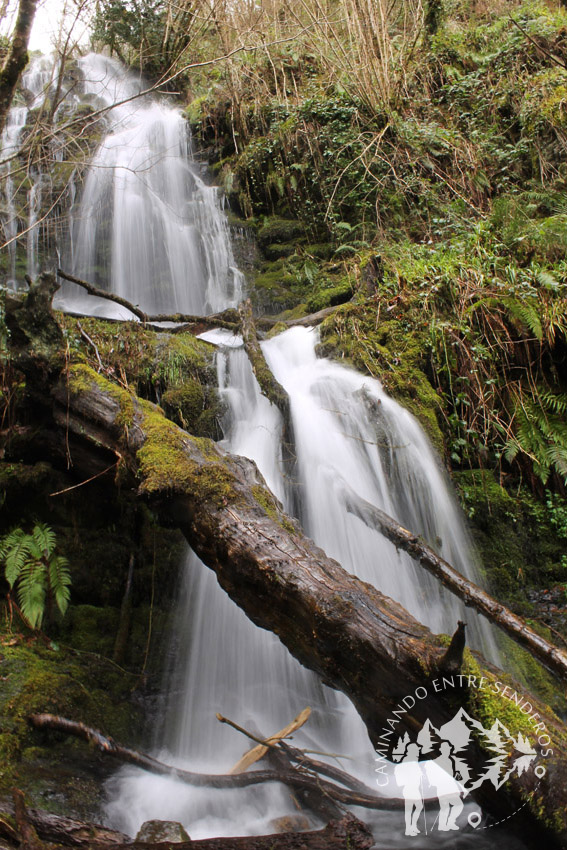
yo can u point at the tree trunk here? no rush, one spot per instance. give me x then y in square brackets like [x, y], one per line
[353, 636]
[471, 594]
[16, 58]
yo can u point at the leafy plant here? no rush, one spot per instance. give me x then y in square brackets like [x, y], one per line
[540, 432]
[39, 574]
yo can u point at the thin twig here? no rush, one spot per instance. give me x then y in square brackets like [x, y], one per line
[92, 478]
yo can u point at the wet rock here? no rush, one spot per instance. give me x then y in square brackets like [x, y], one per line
[156, 831]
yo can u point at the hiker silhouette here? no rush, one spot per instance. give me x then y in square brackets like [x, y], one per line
[408, 776]
[441, 775]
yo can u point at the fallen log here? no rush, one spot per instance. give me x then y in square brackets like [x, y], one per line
[225, 319]
[551, 656]
[353, 636]
[57, 829]
[68, 832]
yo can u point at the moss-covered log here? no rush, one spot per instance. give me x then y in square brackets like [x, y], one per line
[270, 387]
[348, 632]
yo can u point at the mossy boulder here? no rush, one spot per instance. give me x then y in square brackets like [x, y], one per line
[280, 230]
[160, 831]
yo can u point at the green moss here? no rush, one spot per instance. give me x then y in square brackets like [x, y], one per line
[81, 378]
[82, 687]
[279, 230]
[330, 296]
[165, 465]
[185, 404]
[515, 533]
[269, 504]
[488, 704]
[176, 368]
[91, 629]
[272, 288]
[277, 250]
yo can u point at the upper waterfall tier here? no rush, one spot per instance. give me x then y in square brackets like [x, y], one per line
[146, 226]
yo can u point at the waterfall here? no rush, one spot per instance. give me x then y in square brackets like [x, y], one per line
[35, 82]
[348, 433]
[146, 226]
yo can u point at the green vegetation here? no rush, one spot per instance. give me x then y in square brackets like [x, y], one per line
[433, 201]
[40, 575]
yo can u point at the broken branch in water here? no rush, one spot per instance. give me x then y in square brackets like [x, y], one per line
[293, 777]
[226, 319]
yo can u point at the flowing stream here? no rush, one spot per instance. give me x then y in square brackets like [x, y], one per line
[146, 225]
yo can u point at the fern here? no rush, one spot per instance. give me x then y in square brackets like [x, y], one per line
[36, 571]
[540, 432]
[44, 538]
[548, 282]
[31, 592]
[553, 402]
[15, 550]
[60, 581]
[527, 313]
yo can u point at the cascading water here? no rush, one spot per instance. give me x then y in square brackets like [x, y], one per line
[35, 83]
[348, 434]
[147, 225]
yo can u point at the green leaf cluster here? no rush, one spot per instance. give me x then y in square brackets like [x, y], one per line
[40, 576]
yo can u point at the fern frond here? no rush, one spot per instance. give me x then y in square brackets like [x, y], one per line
[16, 553]
[44, 538]
[526, 313]
[548, 281]
[540, 432]
[553, 402]
[31, 593]
[59, 581]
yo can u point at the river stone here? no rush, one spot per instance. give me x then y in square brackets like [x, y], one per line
[156, 831]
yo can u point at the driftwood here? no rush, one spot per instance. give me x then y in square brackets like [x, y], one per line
[225, 319]
[348, 632]
[286, 774]
[302, 759]
[552, 657]
[262, 747]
